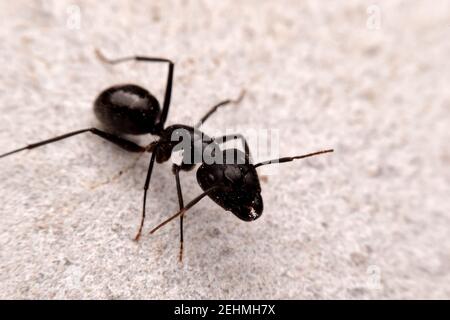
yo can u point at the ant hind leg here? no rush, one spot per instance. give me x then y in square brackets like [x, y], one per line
[119, 141]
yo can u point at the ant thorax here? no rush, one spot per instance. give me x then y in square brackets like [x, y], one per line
[185, 146]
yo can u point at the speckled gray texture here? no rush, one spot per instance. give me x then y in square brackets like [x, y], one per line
[369, 221]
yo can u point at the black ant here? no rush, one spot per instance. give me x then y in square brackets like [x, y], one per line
[131, 109]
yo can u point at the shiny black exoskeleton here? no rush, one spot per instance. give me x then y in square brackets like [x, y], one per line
[128, 109]
[131, 109]
[240, 190]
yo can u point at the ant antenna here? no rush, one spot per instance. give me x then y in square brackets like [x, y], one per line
[186, 208]
[287, 159]
[12, 152]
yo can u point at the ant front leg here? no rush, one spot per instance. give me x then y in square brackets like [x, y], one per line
[176, 172]
[168, 92]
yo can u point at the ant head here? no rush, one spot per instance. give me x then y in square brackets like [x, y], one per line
[239, 190]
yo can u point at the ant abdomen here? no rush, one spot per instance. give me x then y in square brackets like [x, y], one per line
[127, 109]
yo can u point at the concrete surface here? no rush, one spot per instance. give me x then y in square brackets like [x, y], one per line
[369, 221]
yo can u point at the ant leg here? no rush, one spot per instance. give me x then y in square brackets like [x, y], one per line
[176, 171]
[223, 139]
[121, 142]
[168, 93]
[147, 183]
[217, 106]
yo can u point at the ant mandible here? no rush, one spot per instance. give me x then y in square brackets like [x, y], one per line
[131, 109]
